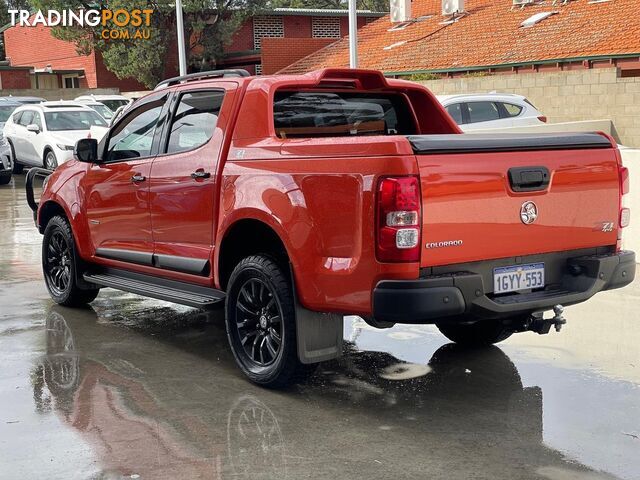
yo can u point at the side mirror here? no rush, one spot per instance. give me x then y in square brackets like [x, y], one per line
[32, 127]
[86, 150]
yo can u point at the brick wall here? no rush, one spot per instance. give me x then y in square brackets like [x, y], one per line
[20, 49]
[12, 79]
[278, 53]
[565, 96]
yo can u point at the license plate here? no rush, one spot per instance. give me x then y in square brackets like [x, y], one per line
[518, 277]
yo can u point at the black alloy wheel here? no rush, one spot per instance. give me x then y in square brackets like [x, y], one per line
[60, 265]
[259, 322]
[57, 263]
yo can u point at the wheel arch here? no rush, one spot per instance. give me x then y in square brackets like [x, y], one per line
[47, 211]
[239, 241]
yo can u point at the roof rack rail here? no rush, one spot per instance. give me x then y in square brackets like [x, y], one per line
[236, 72]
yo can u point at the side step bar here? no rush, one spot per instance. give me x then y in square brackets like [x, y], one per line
[148, 286]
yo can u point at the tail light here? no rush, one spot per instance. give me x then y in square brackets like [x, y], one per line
[542, 118]
[625, 214]
[398, 219]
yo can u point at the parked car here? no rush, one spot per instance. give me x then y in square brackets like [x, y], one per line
[111, 101]
[297, 199]
[44, 134]
[23, 100]
[104, 111]
[491, 110]
[7, 107]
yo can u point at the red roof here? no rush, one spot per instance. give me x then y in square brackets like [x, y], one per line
[489, 35]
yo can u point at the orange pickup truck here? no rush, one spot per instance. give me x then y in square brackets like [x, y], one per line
[299, 199]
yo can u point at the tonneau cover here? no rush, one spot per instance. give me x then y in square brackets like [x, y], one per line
[505, 142]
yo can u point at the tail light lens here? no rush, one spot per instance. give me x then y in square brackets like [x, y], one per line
[625, 213]
[398, 219]
[543, 119]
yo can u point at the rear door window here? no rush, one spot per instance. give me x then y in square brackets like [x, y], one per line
[455, 111]
[337, 114]
[194, 121]
[483, 112]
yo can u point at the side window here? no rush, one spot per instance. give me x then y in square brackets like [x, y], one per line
[511, 109]
[26, 118]
[37, 120]
[194, 121]
[455, 111]
[483, 112]
[133, 136]
[16, 118]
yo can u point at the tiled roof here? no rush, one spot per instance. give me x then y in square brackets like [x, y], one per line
[489, 35]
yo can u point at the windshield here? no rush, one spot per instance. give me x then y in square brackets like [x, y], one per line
[73, 120]
[114, 104]
[103, 110]
[5, 113]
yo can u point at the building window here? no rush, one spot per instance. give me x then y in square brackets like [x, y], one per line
[325, 27]
[259, 69]
[266, 26]
[70, 81]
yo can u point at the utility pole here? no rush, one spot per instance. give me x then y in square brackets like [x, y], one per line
[353, 35]
[182, 54]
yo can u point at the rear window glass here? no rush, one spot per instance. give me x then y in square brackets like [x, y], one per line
[483, 112]
[512, 110]
[455, 111]
[336, 114]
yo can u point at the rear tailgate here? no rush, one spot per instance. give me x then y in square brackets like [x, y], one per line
[471, 210]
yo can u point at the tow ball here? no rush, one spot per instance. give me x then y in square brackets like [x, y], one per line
[537, 323]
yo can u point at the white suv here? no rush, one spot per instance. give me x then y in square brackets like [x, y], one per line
[45, 134]
[111, 101]
[491, 110]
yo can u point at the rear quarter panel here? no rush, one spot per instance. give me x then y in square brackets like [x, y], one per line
[322, 207]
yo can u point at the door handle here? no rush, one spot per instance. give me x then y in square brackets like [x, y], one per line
[200, 174]
[137, 178]
[529, 179]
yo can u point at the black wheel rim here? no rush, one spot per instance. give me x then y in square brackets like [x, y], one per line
[259, 322]
[58, 263]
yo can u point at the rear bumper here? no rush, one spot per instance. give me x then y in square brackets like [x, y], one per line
[462, 295]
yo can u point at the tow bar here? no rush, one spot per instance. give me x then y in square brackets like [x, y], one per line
[537, 323]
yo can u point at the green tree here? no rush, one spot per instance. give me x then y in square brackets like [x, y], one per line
[209, 25]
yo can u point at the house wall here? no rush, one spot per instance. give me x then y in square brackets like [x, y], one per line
[14, 79]
[565, 96]
[36, 47]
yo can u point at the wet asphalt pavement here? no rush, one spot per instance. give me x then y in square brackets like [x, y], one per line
[138, 388]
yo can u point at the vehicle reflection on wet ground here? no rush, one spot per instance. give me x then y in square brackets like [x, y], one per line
[136, 388]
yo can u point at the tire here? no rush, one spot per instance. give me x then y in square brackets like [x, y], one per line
[16, 167]
[59, 265]
[50, 161]
[479, 334]
[5, 177]
[261, 325]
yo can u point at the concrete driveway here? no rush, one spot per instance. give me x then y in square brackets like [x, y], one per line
[137, 388]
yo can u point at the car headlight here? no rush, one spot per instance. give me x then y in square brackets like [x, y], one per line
[64, 147]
